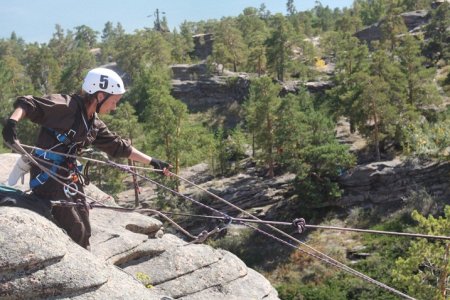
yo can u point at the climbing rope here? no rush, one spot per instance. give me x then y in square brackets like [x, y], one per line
[300, 226]
[315, 253]
[310, 250]
[58, 178]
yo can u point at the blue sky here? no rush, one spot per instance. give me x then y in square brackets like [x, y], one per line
[35, 20]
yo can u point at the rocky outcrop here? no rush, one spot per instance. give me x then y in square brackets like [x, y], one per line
[39, 261]
[203, 45]
[223, 92]
[413, 21]
[202, 91]
[249, 189]
[385, 184]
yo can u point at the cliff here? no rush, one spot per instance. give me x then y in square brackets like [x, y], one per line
[129, 252]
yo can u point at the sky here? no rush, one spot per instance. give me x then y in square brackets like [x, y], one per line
[35, 20]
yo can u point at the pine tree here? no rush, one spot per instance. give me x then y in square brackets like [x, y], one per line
[85, 36]
[279, 47]
[420, 88]
[229, 47]
[423, 270]
[437, 31]
[263, 102]
[254, 32]
[78, 62]
[289, 131]
[392, 26]
[43, 68]
[373, 113]
[351, 61]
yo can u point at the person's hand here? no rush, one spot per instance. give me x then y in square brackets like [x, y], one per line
[9, 132]
[161, 165]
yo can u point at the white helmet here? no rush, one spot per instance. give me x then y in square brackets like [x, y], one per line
[103, 80]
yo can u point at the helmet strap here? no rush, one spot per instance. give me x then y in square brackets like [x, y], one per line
[99, 104]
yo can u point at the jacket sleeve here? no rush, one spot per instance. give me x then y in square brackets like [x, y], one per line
[110, 142]
[51, 111]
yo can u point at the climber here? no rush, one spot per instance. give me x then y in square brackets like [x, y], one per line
[68, 124]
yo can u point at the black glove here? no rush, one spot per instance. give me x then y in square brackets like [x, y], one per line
[10, 131]
[159, 164]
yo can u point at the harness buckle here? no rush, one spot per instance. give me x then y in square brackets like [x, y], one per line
[44, 155]
[71, 133]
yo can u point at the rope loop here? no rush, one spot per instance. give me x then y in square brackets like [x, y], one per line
[299, 224]
[227, 222]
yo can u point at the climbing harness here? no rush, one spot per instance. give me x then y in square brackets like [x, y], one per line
[56, 160]
[299, 224]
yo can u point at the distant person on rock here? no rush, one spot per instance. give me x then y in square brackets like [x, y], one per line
[68, 124]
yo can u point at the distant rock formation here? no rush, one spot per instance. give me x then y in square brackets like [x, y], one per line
[203, 45]
[413, 20]
[223, 91]
[39, 261]
[385, 184]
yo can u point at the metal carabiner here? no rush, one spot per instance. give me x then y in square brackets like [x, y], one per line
[70, 189]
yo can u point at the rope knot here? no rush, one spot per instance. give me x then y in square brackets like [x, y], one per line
[299, 224]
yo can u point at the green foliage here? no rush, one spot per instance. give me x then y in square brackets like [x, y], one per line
[138, 51]
[279, 46]
[229, 48]
[427, 140]
[351, 62]
[109, 180]
[77, 63]
[110, 38]
[329, 290]
[322, 160]
[254, 32]
[375, 115]
[392, 27]
[169, 132]
[43, 68]
[438, 46]
[424, 268]
[420, 88]
[124, 121]
[144, 279]
[371, 11]
[85, 37]
[228, 148]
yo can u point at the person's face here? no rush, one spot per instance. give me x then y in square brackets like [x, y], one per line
[110, 104]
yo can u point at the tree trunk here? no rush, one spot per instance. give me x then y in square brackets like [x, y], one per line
[270, 146]
[376, 133]
[443, 276]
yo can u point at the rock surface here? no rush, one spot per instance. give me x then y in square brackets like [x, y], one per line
[39, 261]
[384, 184]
